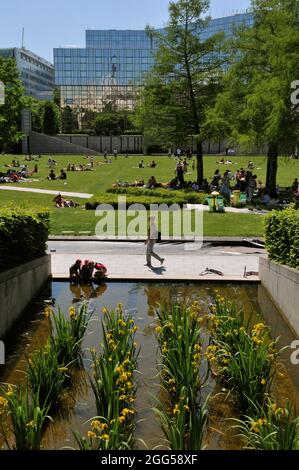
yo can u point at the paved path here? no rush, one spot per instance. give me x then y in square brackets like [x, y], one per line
[125, 261]
[236, 210]
[46, 191]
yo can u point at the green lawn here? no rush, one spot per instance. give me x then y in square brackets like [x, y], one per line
[80, 220]
[127, 170]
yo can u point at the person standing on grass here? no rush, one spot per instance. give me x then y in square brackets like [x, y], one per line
[150, 242]
[115, 153]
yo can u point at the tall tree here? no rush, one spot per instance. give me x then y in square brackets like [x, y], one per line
[183, 80]
[51, 118]
[255, 106]
[69, 121]
[10, 111]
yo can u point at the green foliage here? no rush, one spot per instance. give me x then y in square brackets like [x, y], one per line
[191, 197]
[184, 80]
[183, 417]
[46, 376]
[282, 236]
[255, 105]
[10, 111]
[113, 385]
[26, 416]
[69, 122]
[244, 354]
[270, 428]
[23, 235]
[112, 123]
[145, 197]
[51, 120]
[66, 334]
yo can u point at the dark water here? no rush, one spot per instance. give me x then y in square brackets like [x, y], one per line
[139, 298]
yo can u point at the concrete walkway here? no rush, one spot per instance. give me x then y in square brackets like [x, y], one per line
[126, 261]
[46, 191]
[235, 210]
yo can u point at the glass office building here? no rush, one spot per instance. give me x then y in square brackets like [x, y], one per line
[36, 73]
[110, 70]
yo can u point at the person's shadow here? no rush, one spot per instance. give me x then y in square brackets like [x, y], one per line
[159, 271]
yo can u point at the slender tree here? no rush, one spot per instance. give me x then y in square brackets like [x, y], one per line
[183, 81]
[255, 106]
[51, 118]
[10, 111]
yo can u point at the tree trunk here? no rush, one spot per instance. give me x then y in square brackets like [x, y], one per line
[272, 166]
[199, 157]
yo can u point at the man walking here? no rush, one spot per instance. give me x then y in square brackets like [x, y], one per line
[150, 242]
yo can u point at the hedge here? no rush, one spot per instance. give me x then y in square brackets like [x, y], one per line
[282, 236]
[23, 235]
[190, 197]
[112, 199]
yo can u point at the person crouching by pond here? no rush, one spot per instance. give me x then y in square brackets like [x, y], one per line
[87, 271]
[75, 270]
[100, 272]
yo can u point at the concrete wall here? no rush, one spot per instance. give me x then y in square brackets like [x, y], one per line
[95, 145]
[18, 287]
[45, 144]
[124, 143]
[282, 284]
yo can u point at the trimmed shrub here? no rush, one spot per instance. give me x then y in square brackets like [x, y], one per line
[190, 197]
[23, 235]
[282, 237]
[112, 199]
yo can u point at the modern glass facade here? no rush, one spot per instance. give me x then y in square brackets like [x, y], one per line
[111, 69]
[37, 74]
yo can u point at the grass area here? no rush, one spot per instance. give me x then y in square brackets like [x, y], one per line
[126, 169]
[79, 220]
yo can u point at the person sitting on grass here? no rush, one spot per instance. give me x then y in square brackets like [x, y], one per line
[52, 176]
[62, 175]
[141, 164]
[153, 164]
[152, 183]
[75, 269]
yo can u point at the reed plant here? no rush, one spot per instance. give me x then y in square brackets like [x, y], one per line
[183, 425]
[46, 377]
[113, 385]
[243, 354]
[21, 416]
[270, 427]
[183, 372]
[67, 334]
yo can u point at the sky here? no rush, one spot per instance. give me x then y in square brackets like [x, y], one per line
[55, 23]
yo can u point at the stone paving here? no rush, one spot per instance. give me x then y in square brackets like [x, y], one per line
[46, 191]
[127, 261]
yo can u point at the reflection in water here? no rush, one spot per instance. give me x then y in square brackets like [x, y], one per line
[141, 299]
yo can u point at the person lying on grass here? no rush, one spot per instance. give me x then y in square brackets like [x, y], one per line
[60, 202]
